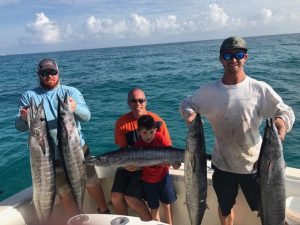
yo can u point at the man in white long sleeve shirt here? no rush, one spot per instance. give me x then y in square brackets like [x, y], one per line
[235, 106]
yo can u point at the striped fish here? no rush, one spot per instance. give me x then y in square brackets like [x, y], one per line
[70, 151]
[195, 172]
[138, 157]
[271, 176]
[42, 163]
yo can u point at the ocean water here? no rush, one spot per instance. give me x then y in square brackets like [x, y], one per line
[167, 73]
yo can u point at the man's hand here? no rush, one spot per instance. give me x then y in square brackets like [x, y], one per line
[176, 166]
[280, 125]
[72, 104]
[191, 117]
[24, 113]
[130, 168]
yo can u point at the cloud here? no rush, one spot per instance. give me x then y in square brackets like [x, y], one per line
[168, 23]
[212, 19]
[106, 26]
[42, 31]
[136, 25]
[140, 25]
[217, 15]
[266, 15]
[209, 19]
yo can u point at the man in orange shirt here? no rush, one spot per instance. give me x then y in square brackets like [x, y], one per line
[127, 187]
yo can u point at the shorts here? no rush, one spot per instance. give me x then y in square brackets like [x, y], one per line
[161, 191]
[128, 183]
[62, 187]
[226, 187]
[92, 177]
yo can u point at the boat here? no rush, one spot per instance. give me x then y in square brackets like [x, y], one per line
[18, 209]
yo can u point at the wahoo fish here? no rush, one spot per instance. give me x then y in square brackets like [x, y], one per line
[138, 157]
[271, 177]
[70, 150]
[195, 172]
[41, 161]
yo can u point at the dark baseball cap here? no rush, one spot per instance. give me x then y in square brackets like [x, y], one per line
[47, 64]
[233, 43]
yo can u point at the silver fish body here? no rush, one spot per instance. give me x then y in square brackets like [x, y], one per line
[195, 172]
[271, 175]
[42, 163]
[138, 157]
[70, 150]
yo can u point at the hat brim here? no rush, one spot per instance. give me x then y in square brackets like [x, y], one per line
[48, 68]
[237, 48]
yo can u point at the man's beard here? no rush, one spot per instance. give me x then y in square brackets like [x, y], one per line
[49, 85]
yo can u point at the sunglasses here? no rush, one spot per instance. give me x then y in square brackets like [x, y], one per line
[237, 55]
[140, 100]
[46, 73]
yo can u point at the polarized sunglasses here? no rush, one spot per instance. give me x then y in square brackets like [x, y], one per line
[46, 73]
[237, 55]
[140, 100]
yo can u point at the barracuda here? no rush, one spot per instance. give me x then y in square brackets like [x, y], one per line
[41, 161]
[271, 176]
[138, 157]
[195, 172]
[70, 151]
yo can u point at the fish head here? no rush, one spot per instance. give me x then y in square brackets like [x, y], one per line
[64, 111]
[272, 146]
[37, 118]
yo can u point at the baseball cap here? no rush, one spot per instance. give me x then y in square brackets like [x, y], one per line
[233, 43]
[47, 64]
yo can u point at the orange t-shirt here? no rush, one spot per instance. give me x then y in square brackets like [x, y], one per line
[126, 129]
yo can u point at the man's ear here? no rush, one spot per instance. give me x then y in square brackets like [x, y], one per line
[220, 58]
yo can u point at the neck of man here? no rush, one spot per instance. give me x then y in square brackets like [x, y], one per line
[138, 114]
[230, 78]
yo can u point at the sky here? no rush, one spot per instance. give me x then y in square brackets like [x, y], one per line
[32, 26]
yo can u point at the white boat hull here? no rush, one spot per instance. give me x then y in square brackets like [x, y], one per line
[18, 210]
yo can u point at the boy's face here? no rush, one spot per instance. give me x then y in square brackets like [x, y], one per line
[147, 135]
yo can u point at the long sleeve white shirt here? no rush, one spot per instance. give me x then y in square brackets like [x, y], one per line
[235, 113]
